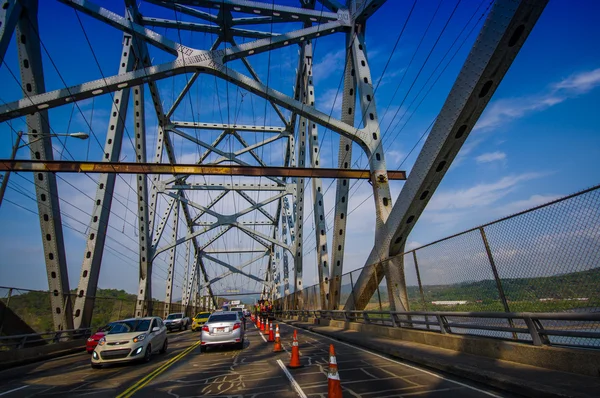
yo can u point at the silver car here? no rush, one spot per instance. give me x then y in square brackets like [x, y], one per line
[222, 328]
[131, 340]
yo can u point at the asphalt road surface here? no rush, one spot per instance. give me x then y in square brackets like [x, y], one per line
[254, 372]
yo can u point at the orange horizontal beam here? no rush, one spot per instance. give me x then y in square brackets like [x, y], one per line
[192, 169]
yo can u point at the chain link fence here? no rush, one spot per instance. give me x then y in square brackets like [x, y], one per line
[545, 259]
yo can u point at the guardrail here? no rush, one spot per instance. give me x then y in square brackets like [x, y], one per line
[37, 339]
[532, 328]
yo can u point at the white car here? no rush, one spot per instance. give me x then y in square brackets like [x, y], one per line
[131, 340]
[177, 321]
[222, 328]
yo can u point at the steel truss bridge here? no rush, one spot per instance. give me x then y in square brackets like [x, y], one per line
[278, 234]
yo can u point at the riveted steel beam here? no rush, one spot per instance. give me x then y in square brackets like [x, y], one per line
[505, 30]
[9, 17]
[92, 260]
[194, 12]
[343, 185]
[46, 191]
[225, 126]
[172, 261]
[312, 136]
[196, 27]
[292, 14]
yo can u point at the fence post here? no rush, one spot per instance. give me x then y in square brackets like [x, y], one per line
[378, 293]
[352, 291]
[7, 306]
[497, 278]
[420, 285]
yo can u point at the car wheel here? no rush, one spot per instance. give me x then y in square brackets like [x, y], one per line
[96, 366]
[202, 348]
[164, 347]
[148, 353]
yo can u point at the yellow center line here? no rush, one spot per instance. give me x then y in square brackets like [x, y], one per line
[141, 383]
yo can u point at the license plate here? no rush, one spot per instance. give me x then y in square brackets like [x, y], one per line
[220, 330]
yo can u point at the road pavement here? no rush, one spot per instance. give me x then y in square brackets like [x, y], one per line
[253, 372]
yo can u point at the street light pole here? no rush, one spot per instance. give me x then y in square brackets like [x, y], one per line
[17, 146]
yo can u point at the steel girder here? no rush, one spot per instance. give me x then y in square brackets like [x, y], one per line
[32, 83]
[498, 43]
[312, 135]
[9, 17]
[343, 184]
[172, 260]
[92, 260]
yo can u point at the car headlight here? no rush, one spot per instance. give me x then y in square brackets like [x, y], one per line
[102, 341]
[139, 338]
[90, 339]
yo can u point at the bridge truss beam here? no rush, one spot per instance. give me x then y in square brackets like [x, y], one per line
[498, 43]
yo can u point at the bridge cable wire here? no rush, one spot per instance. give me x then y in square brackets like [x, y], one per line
[427, 93]
[354, 185]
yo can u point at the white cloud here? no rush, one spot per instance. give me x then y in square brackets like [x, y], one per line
[478, 195]
[490, 157]
[331, 63]
[504, 110]
[520, 205]
[395, 156]
[581, 82]
[413, 245]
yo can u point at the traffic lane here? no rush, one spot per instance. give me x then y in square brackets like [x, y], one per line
[366, 374]
[225, 371]
[73, 375]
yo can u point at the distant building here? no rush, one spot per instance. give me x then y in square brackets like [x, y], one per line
[453, 302]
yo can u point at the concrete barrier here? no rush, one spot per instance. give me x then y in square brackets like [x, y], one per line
[580, 361]
[23, 356]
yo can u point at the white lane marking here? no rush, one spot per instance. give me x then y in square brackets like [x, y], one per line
[261, 335]
[292, 380]
[401, 363]
[13, 390]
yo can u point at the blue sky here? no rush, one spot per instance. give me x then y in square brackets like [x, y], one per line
[539, 138]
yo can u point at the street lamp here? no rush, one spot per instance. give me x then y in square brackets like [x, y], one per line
[17, 146]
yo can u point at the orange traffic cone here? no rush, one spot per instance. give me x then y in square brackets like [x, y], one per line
[334, 386]
[277, 347]
[258, 322]
[295, 359]
[271, 334]
[262, 325]
[267, 327]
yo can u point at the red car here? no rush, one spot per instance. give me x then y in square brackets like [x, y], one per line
[92, 342]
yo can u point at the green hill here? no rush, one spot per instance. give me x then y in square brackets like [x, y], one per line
[523, 294]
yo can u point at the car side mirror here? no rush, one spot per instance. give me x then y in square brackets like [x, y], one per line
[156, 329]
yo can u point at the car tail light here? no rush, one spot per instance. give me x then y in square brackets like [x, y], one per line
[205, 329]
[237, 326]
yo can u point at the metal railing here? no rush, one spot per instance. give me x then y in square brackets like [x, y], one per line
[37, 339]
[558, 329]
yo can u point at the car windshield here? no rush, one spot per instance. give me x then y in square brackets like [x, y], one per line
[106, 328]
[203, 315]
[135, 325]
[175, 316]
[222, 318]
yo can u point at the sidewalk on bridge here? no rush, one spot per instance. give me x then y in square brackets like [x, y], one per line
[516, 378]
